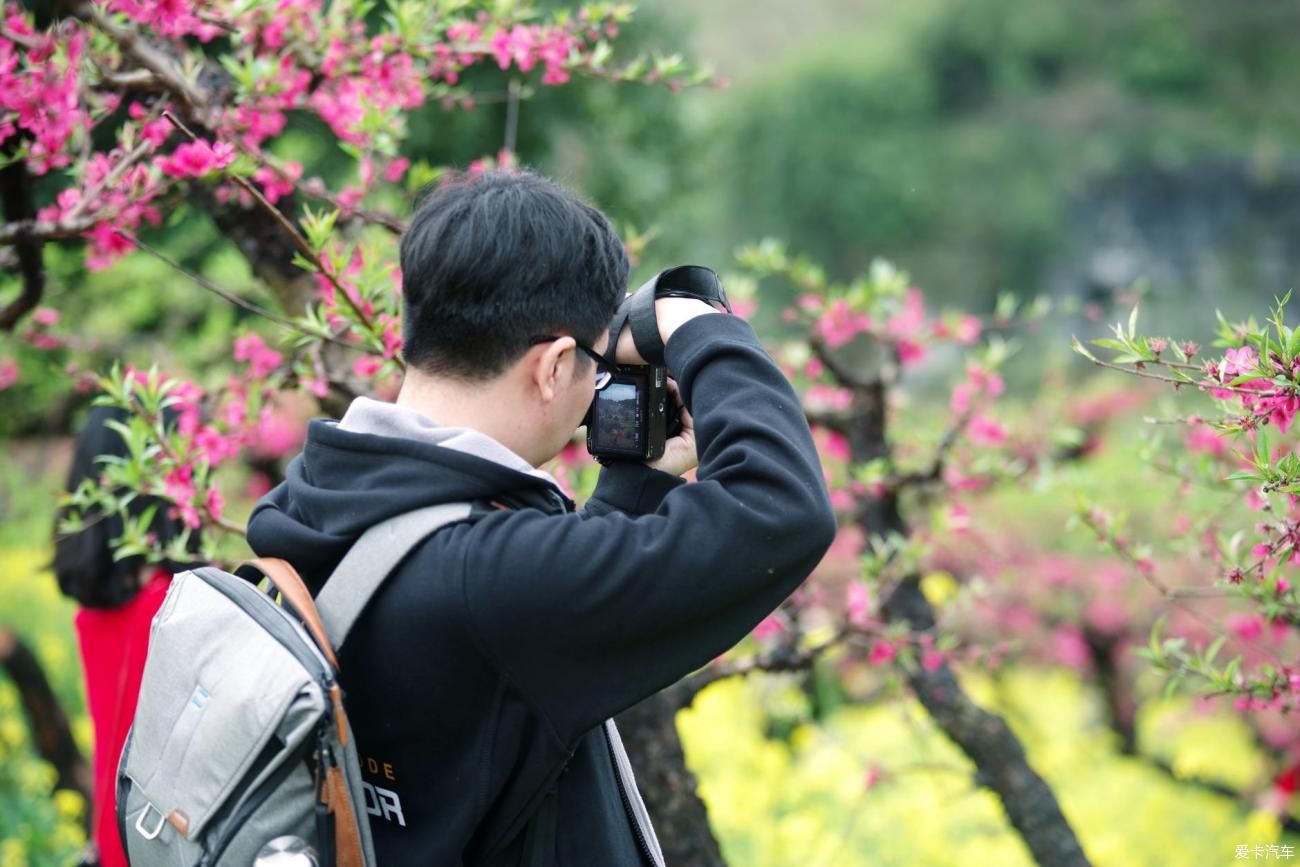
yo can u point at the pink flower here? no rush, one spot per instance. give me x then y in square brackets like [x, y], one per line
[984, 431]
[968, 330]
[1070, 649]
[8, 373]
[261, 359]
[367, 366]
[768, 627]
[1239, 360]
[909, 351]
[107, 245]
[214, 503]
[840, 324]
[276, 185]
[1247, 627]
[882, 652]
[857, 603]
[394, 171]
[837, 446]
[197, 158]
[45, 316]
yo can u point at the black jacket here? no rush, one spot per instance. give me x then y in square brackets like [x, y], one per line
[500, 645]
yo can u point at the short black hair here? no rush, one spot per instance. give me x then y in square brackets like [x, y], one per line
[83, 561]
[492, 260]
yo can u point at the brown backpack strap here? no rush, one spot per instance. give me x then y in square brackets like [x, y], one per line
[286, 580]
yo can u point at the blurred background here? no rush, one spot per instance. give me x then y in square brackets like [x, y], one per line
[1098, 154]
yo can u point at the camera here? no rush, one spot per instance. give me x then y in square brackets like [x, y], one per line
[633, 416]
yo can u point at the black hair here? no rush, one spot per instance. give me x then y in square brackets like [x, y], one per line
[493, 260]
[83, 561]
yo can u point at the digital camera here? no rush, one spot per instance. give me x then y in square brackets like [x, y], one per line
[633, 416]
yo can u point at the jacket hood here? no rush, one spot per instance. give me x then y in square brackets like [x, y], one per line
[347, 480]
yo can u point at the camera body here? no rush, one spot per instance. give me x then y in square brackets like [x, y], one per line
[633, 416]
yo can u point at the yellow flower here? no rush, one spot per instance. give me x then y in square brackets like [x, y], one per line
[939, 587]
[69, 804]
[1263, 827]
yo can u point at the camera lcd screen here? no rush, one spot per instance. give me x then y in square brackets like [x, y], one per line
[617, 418]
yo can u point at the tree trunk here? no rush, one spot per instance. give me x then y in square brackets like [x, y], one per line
[999, 758]
[51, 734]
[680, 818]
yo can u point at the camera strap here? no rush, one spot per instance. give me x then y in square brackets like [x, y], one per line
[638, 309]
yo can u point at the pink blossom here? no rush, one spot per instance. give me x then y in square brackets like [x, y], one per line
[932, 660]
[882, 651]
[814, 368]
[984, 431]
[214, 446]
[828, 396]
[394, 171]
[909, 351]
[1203, 438]
[1070, 648]
[8, 373]
[1247, 627]
[197, 158]
[367, 366]
[768, 627]
[107, 245]
[259, 485]
[214, 503]
[858, 604]
[261, 359]
[277, 185]
[1239, 360]
[959, 518]
[968, 330]
[45, 316]
[840, 324]
[837, 446]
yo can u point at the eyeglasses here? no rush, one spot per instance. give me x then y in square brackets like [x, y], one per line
[605, 369]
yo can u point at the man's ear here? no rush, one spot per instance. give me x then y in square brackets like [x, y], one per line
[553, 367]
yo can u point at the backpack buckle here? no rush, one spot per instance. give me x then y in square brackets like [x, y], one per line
[157, 829]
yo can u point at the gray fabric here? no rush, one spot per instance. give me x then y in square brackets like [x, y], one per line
[628, 781]
[371, 559]
[211, 704]
[225, 706]
[367, 415]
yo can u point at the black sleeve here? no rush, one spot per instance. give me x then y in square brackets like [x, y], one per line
[631, 488]
[590, 613]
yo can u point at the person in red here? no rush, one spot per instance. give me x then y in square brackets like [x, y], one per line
[117, 599]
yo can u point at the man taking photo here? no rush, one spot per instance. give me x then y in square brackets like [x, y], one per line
[482, 677]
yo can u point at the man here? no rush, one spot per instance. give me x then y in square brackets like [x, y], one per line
[481, 675]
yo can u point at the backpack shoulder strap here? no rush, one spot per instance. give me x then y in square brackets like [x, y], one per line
[370, 560]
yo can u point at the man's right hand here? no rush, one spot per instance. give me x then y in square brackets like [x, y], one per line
[670, 314]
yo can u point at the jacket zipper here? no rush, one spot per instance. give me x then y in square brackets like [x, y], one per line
[627, 802]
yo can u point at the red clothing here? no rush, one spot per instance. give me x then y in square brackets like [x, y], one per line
[113, 643]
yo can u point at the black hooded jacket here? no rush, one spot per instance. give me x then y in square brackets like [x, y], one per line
[490, 657]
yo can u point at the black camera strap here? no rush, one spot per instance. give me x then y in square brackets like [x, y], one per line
[638, 309]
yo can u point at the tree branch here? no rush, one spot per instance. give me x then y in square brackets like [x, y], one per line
[19, 206]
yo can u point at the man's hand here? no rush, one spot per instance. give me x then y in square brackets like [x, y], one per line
[670, 314]
[679, 452]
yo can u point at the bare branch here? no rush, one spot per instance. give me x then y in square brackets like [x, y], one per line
[846, 377]
[151, 58]
[231, 297]
[19, 205]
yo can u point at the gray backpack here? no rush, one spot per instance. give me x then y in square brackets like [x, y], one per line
[240, 745]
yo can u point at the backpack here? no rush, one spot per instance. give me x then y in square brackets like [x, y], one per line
[240, 743]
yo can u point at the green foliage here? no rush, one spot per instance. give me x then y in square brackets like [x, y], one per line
[951, 134]
[38, 827]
